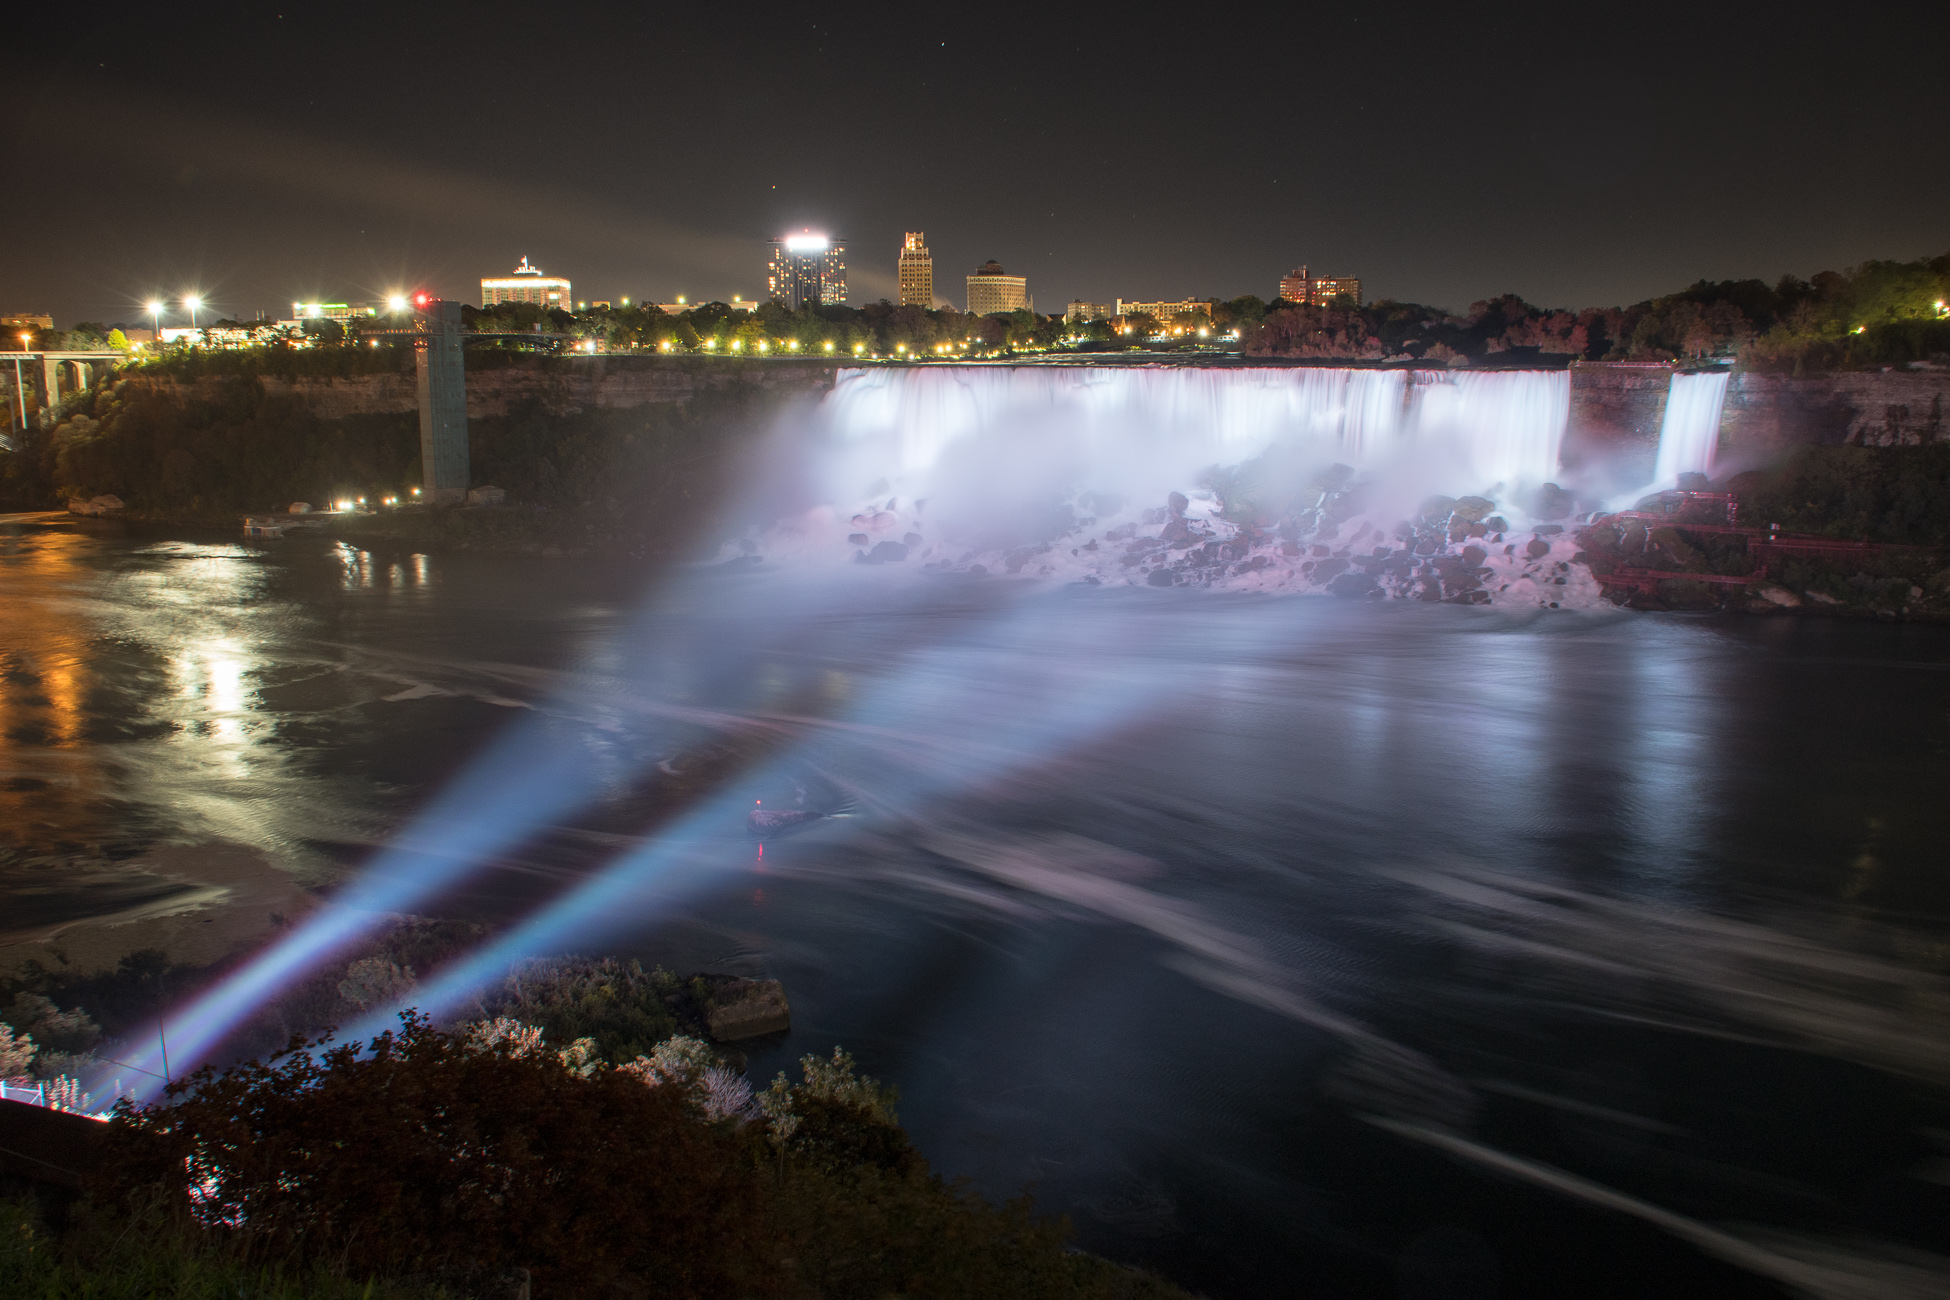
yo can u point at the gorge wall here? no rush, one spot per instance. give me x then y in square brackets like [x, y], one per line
[1615, 414]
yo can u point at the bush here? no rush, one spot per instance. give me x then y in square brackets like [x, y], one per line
[430, 1155]
[437, 1155]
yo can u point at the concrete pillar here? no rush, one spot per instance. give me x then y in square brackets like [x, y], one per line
[50, 383]
[443, 405]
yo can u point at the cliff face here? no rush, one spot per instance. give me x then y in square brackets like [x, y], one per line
[1616, 411]
[562, 385]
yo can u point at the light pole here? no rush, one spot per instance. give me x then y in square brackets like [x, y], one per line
[192, 302]
[155, 314]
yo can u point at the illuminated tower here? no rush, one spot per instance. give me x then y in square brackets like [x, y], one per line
[916, 272]
[807, 269]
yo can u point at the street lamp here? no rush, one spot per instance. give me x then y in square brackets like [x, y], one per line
[192, 303]
[155, 314]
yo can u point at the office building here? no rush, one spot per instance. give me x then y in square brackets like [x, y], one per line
[342, 312]
[991, 289]
[916, 272]
[684, 304]
[528, 284]
[1164, 311]
[1080, 310]
[807, 269]
[1298, 286]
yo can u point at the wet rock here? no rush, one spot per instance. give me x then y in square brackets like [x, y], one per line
[1176, 531]
[1330, 568]
[1497, 524]
[746, 1009]
[1015, 559]
[1354, 584]
[1474, 596]
[1121, 532]
[1293, 549]
[912, 539]
[1476, 530]
[1773, 595]
[887, 553]
[1176, 503]
[1428, 545]
[1161, 578]
[1473, 509]
[978, 571]
[1547, 530]
[1552, 502]
[856, 539]
[1536, 548]
[1253, 565]
[1695, 482]
[1473, 556]
[1436, 510]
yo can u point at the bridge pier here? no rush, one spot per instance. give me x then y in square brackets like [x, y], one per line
[443, 404]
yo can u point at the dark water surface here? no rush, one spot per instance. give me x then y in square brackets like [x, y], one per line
[1290, 945]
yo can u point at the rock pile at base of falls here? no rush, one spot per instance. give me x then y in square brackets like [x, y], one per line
[1462, 550]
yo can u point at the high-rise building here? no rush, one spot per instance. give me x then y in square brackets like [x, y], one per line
[1297, 286]
[807, 268]
[528, 284]
[916, 272]
[990, 289]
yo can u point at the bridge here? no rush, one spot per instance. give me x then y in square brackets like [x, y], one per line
[19, 370]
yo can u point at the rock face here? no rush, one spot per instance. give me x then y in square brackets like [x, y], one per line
[487, 496]
[747, 1009]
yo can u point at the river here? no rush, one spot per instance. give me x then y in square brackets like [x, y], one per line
[1288, 944]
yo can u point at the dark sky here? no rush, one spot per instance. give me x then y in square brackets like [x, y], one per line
[1577, 156]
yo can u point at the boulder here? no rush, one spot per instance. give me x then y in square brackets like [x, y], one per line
[1161, 578]
[887, 553]
[1497, 524]
[1435, 510]
[1177, 530]
[1774, 595]
[1694, 482]
[1330, 568]
[107, 501]
[1537, 548]
[1552, 502]
[1473, 509]
[1353, 584]
[747, 1009]
[1176, 504]
[856, 539]
[1473, 556]
[76, 506]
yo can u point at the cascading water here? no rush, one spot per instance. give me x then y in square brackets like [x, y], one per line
[1259, 478]
[1689, 436]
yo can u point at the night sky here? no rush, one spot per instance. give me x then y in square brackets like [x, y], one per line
[1580, 158]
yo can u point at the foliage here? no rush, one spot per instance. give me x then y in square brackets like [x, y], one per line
[1876, 494]
[622, 1007]
[16, 1053]
[431, 1154]
[439, 1155]
[693, 1066]
[150, 1253]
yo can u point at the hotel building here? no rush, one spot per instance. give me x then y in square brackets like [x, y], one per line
[1164, 311]
[916, 272]
[807, 268]
[991, 290]
[528, 284]
[1079, 310]
[1297, 286]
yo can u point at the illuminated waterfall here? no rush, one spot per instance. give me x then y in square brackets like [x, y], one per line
[1146, 429]
[1690, 433]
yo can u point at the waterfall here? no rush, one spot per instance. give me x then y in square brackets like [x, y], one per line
[1690, 433]
[1146, 430]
